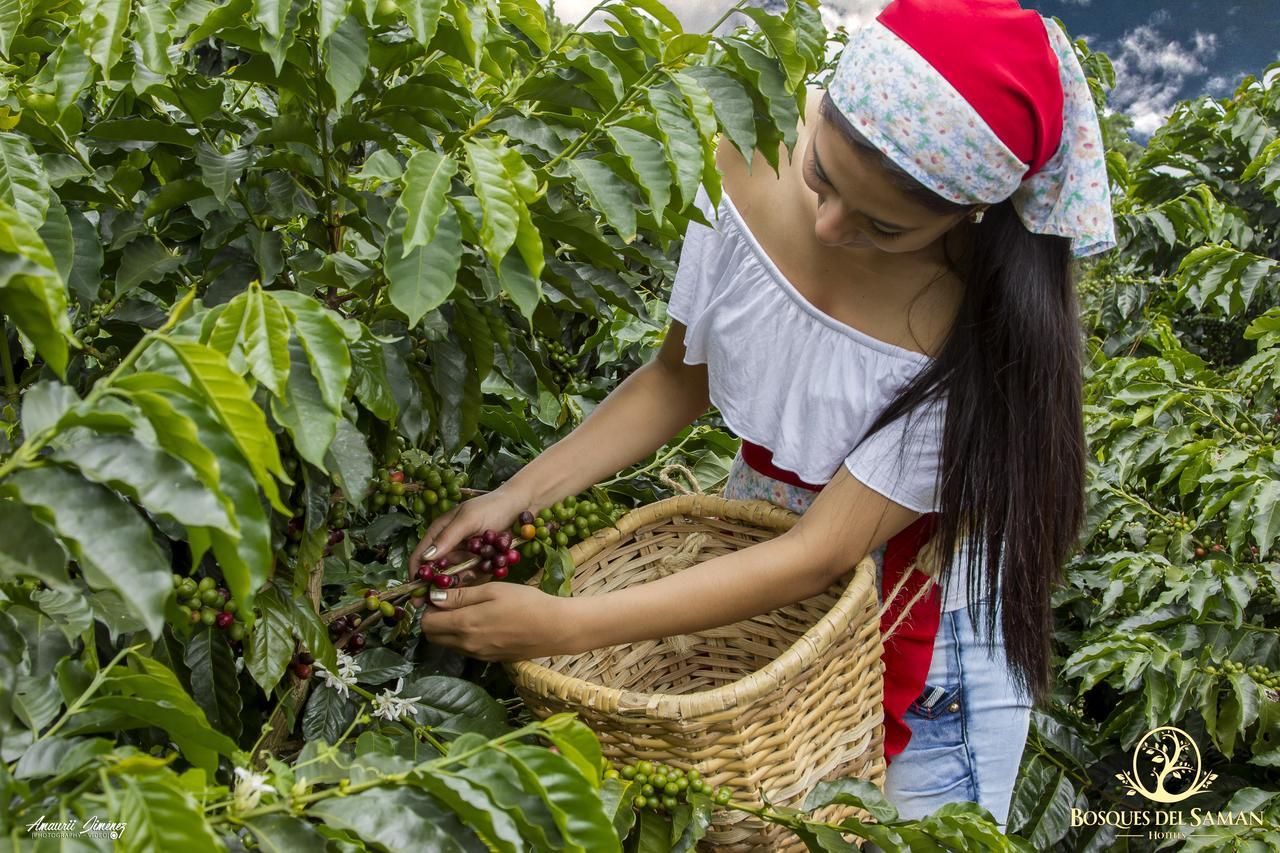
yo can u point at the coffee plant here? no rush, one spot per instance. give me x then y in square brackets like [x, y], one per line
[1169, 614]
[282, 282]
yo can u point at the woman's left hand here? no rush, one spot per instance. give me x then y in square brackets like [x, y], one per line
[500, 621]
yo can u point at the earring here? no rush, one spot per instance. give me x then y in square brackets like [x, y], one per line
[976, 216]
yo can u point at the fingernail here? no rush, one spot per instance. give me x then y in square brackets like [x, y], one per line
[430, 551]
[439, 595]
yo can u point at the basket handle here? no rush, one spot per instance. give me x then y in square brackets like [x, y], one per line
[665, 476]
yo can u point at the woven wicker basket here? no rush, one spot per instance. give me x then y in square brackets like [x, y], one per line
[775, 703]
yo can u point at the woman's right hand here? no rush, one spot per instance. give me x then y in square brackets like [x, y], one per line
[496, 510]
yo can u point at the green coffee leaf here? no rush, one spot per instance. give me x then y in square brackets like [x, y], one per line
[230, 400]
[423, 17]
[425, 198]
[281, 833]
[608, 193]
[398, 819]
[108, 539]
[214, 683]
[647, 160]
[29, 549]
[23, 183]
[851, 792]
[347, 59]
[471, 802]
[328, 714]
[303, 410]
[102, 28]
[557, 574]
[221, 171]
[349, 460]
[159, 815]
[575, 805]
[782, 40]
[498, 197]
[157, 481]
[31, 292]
[423, 279]
[325, 336]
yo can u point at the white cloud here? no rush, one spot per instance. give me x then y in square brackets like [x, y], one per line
[1151, 70]
[851, 14]
[1219, 86]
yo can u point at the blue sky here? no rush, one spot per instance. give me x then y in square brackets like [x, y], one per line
[1163, 52]
[1166, 52]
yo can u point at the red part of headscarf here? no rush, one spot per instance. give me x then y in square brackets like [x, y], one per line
[997, 55]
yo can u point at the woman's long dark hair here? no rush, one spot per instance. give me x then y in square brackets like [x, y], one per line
[1013, 449]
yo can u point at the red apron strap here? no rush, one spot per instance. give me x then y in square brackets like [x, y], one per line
[909, 652]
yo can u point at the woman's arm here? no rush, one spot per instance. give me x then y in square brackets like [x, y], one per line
[639, 416]
[504, 621]
[845, 522]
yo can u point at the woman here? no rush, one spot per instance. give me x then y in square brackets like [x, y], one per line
[895, 304]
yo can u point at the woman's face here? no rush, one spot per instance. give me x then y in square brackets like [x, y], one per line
[859, 207]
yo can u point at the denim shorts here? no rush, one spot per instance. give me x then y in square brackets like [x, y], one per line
[968, 728]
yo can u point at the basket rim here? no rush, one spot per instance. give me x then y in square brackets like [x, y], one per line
[806, 649]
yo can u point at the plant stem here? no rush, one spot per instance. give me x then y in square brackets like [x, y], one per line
[579, 143]
[393, 778]
[658, 461]
[735, 7]
[11, 384]
[99, 677]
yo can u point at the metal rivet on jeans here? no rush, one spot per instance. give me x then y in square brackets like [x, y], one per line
[953, 707]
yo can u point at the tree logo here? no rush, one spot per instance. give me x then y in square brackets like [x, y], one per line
[1166, 767]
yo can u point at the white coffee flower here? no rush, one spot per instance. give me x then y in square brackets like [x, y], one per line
[341, 682]
[250, 787]
[389, 705]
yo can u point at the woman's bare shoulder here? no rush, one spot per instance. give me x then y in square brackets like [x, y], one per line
[744, 181]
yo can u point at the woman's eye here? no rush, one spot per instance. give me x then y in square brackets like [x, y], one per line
[887, 235]
[815, 174]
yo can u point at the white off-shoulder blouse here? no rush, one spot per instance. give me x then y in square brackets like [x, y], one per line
[788, 377]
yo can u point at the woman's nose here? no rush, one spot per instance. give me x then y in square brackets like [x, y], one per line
[833, 226]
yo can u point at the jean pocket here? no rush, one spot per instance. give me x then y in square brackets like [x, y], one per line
[936, 701]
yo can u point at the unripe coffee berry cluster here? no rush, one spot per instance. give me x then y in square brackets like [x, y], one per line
[1266, 589]
[1257, 672]
[391, 612]
[563, 523]
[348, 626]
[206, 603]
[425, 489]
[665, 787]
[563, 365]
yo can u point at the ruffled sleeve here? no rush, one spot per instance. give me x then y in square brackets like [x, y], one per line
[691, 288]
[903, 461]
